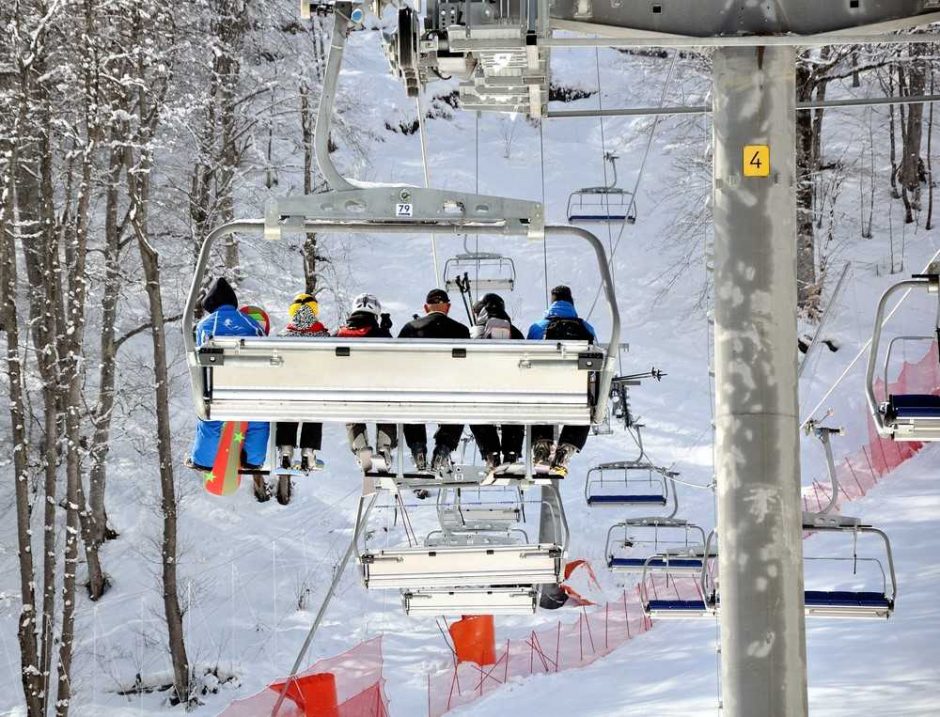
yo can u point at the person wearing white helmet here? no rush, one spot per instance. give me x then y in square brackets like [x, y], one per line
[365, 320]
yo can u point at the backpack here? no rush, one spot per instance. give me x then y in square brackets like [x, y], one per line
[567, 329]
[497, 329]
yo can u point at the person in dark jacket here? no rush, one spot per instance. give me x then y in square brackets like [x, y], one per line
[224, 319]
[435, 324]
[362, 322]
[304, 313]
[561, 321]
[492, 322]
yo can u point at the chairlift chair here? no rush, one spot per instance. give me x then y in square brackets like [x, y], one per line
[609, 203]
[904, 417]
[627, 483]
[488, 509]
[456, 570]
[865, 603]
[644, 541]
[485, 272]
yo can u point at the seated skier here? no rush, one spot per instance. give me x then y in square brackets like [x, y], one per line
[223, 318]
[304, 314]
[492, 322]
[364, 321]
[435, 324]
[560, 322]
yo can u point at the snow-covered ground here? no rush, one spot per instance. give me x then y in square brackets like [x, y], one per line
[253, 574]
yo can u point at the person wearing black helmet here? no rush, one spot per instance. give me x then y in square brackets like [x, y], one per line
[492, 322]
[435, 324]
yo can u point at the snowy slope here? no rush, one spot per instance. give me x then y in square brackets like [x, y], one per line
[254, 574]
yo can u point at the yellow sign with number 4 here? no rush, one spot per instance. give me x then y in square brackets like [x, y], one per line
[757, 160]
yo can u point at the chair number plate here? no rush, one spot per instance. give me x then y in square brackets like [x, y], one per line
[404, 210]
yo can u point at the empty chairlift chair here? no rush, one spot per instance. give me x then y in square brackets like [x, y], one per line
[877, 566]
[908, 416]
[693, 596]
[480, 273]
[470, 570]
[609, 203]
[668, 545]
[627, 483]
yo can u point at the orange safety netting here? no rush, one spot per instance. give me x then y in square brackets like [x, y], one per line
[599, 632]
[348, 685]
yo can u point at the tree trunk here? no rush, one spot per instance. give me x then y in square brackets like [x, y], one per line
[929, 224]
[807, 167]
[30, 672]
[310, 239]
[138, 183]
[909, 173]
[171, 605]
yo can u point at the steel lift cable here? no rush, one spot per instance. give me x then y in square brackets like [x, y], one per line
[542, 178]
[600, 106]
[639, 178]
[427, 183]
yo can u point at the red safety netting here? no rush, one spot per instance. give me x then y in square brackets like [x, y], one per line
[359, 689]
[562, 646]
[860, 471]
[598, 632]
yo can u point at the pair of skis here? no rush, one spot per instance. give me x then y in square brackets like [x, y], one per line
[226, 475]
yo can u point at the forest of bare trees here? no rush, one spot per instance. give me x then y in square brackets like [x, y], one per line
[127, 131]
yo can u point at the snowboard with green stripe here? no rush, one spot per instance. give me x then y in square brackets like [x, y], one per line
[224, 478]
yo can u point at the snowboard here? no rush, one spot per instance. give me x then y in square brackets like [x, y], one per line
[224, 478]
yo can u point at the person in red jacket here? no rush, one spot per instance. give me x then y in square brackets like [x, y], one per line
[362, 322]
[304, 314]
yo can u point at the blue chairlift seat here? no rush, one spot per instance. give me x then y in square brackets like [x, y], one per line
[848, 604]
[683, 564]
[913, 406]
[644, 499]
[678, 608]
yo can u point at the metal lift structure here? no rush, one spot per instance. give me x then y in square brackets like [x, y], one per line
[500, 52]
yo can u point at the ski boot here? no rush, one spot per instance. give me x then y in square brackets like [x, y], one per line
[559, 466]
[286, 454]
[441, 463]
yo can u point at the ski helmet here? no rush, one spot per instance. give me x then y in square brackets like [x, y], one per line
[259, 316]
[367, 303]
[304, 299]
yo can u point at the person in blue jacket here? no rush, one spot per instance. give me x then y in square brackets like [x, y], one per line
[224, 319]
[561, 322]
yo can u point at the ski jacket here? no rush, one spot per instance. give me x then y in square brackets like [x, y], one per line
[315, 329]
[434, 326]
[227, 320]
[361, 324]
[558, 310]
[493, 325]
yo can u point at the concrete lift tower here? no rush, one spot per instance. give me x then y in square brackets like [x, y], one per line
[763, 648]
